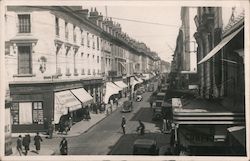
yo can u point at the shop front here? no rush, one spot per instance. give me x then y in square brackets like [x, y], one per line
[37, 105]
[124, 87]
[111, 92]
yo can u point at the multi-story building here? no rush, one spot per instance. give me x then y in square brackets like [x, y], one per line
[215, 126]
[47, 72]
[44, 70]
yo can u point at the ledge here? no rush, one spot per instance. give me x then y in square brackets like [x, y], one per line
[24, 75]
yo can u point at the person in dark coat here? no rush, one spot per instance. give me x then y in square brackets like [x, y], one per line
[64, 147]
[19, 145]
[123, 124]
[51, 130]
[37, 143]
[26, 143]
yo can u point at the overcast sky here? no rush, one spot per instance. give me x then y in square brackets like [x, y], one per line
[161, 39]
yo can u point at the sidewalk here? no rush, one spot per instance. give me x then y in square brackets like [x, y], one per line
[76, 130]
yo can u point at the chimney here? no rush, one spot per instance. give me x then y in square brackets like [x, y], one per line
[93, 16]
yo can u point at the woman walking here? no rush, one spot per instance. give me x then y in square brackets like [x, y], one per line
[19, 145]
[38, 141]
[64, 147]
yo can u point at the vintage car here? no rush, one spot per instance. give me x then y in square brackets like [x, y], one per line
[145, 147]
[127, 106]
[151, 87]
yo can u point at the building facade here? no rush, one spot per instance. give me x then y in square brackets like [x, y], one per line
[54, 54]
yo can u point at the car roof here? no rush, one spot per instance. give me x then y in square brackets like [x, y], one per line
[144, 142]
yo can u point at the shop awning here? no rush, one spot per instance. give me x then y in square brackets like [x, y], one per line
[111, 89]
[146, 76]
[82, 95]
[121, 84]
[220, 45]
[65, 101]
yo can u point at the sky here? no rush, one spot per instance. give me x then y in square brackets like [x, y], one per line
[159, 38]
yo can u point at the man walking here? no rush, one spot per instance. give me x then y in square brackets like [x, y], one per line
[19, 145]
[141, 128]
[123, 124]
[64, 147]
[26, 143]
[38, 141]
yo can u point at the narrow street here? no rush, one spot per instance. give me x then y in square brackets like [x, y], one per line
[107, 137]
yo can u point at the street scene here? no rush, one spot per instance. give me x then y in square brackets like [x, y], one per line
[114, 80]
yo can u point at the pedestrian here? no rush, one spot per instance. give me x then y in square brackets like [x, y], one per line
[26, 144]
[116, 101]
[38, 141]
[46, 125]
[64, 146]
[123, 124]
[51, 129]
[164, 125]
[151, 102]
[19, 145]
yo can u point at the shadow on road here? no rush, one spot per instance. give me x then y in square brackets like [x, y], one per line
[124, 145]
[145, 115]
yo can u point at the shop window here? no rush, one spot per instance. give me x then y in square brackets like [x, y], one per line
[37, 112]
[15, 113]
[24, 25]
[25, 113]
[24, 59]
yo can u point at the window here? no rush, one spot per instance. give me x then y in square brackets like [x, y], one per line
[24, 23]
[74, 34]
[37, 112]
[15, 113]
[93, 38]
[88, 43]
[24, 60]
[82, 38]
[66, 31]
[57, 27]
[97, 59]
[88, 56]
[97, 43]
[82, 54]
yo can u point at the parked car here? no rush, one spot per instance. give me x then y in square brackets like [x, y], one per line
[145, 147]
[127, 106]
[139, 98]
[151, 87]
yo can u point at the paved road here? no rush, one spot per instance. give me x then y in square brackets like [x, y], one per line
[106, 137]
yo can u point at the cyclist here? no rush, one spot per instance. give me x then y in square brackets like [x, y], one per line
[141, 128]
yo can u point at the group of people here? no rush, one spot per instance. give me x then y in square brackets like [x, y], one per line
[25, 142]
[140, 129]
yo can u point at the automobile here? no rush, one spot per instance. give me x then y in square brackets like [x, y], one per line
[127, 106]
[151, 87]
[139, 98]
[145, 147]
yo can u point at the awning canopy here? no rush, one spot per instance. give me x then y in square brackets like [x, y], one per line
[65, 101]
[82, 95]
[146, 77]
[121, 84]
[111, 89]
[220, 45]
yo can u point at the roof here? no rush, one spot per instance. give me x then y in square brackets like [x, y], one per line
[233, 24]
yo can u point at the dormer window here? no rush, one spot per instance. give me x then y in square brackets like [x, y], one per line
[24, 25]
